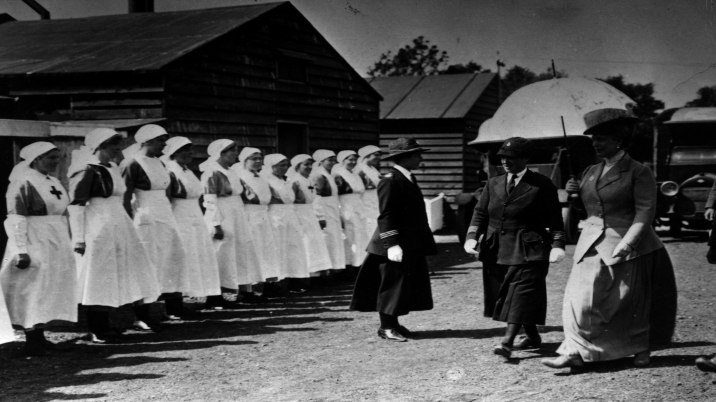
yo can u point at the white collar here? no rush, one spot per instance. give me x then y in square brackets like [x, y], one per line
[517, 175]
[404, 171]
[614, 159]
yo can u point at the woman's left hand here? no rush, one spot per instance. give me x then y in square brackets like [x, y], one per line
[622, 250]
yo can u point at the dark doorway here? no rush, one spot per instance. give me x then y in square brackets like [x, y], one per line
[7, 162]
[292, 139]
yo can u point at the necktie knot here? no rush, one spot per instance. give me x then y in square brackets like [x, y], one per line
[511, 184]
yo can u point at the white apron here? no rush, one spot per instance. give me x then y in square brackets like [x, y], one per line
[333, 233]
[200, 254]
[115, 269]
[354, 218]
[314, 243]
[371, 210]
[158, 229]
[236, 253]
[287, 231]
[46, 290]
[261, 226]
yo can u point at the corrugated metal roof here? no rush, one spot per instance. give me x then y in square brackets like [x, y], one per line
[130, 42]
[431, 96]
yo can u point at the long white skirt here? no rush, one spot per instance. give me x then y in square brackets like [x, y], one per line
[262, 230]
[314, 243]
[6, 332]
[333, 233]
[158, 231]
[200, 255]
[115, 269]
[46, 290]
[288, 239]
[354, 221]
[236, 253]
[372, 211]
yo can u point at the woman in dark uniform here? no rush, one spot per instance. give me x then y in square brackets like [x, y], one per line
[509, 225]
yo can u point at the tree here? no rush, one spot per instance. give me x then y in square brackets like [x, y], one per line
[417, 59]
[707, 98]
[642, 146]
[518, 77]
[469, 68]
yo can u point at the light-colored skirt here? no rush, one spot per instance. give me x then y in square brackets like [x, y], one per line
[288, 240]
[372, 211]
[263, 233]
[47, 289]
[314, 243]
[115, 268]
[200, 255]
[158, 231]
[236, 254]
[354, 221]
[606, 308]
[333, 233]
[6, 332]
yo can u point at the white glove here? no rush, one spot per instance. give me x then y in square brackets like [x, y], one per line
[395, 254]
[622, 250]
[556, 255]
[472, 245]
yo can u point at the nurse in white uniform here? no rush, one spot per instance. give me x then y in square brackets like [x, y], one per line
[184, 192]
[38, 276]
[114, 268]
[147, 181]
[369, 171]
[227, 220]
[328, 206]
[314, 242]
[350, 193]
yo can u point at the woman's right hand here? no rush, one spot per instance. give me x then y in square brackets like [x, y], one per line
[709, 214]
[80, 248]
[572, 186]
[218, 232]
[23, 260]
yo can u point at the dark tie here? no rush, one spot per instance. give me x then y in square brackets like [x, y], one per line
[511, 184]
[413, 179]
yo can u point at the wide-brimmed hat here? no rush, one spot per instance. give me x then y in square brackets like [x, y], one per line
[403, 146]
[517, 147]
[601, 120]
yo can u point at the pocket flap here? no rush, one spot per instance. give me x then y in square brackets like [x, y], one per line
[529, 237]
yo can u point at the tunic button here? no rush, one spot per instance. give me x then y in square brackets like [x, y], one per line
[600, 215]
[504, 205]
[503, 232]
[503, 218]
[599, 203]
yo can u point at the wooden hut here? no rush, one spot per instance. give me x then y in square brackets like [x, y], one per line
[261, 75]
[444, 113]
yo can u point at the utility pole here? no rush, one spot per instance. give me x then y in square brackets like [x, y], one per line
[499, 79]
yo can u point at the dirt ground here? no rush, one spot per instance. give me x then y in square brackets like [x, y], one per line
[310, 347]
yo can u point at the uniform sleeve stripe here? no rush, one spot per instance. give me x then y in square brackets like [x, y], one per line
[388, 234]
[472, 229]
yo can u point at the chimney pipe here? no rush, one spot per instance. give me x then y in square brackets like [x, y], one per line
[141, 6]
[44, 14]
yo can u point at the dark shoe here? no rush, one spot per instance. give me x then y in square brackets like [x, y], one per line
[564, 362]
[251, 298]
[503, 350]
[704, 363]
[642, 359]
[391, 335]
[526, 343]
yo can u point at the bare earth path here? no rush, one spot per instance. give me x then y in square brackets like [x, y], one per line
[312, 348]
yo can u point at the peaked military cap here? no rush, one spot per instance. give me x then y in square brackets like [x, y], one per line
[517, 147]
[403, 146]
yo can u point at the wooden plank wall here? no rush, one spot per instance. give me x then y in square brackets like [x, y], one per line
[483, 109]
[229, 89]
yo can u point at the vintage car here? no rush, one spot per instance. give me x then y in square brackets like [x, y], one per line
[692, 171]
[685, 166]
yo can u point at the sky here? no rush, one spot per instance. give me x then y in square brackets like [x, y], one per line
[671, 43]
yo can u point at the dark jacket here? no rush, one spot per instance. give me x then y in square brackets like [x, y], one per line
[403, 220]
[515, 226]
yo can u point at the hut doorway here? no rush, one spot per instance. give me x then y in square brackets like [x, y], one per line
[292, 139]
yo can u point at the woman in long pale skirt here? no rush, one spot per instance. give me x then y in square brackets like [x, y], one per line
[369, 171]
[184, 191]
[287, 228]
[227, 220]
[38, 275]
[6, 332]
[114, 268]
[256, 197]
[314, 242]
[328, 206]
[350, 192]
[607, 302]
[147, 181]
